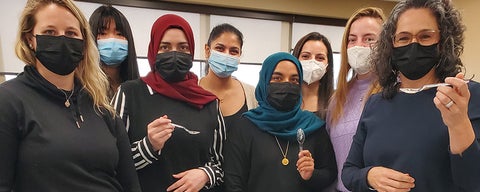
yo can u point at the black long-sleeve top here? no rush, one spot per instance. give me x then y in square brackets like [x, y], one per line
[46, 146]
[407, 134]
[253, 161]
[139, 105]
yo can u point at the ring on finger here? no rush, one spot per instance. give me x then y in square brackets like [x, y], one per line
[449, 104]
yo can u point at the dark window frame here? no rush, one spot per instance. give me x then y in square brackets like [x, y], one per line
[224, 11]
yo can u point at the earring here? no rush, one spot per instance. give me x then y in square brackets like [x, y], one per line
[30, 45]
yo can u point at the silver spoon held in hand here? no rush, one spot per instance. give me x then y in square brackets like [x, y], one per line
[300, 138]
[184, 128]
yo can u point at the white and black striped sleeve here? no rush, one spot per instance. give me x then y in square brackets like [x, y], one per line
[213, 168]
[142, 150]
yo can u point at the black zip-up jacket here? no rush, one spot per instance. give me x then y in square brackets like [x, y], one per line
[47, 146]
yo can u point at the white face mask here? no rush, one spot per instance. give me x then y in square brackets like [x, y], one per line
[313, 70]
[359, 59]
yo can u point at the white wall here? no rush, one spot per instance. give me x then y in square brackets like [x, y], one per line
[261, 37]
[11, 11]
[140, 20]
[334, 34]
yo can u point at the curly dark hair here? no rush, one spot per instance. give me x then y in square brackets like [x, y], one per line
[450, 45]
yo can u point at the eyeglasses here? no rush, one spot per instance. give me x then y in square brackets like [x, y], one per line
[425, 38]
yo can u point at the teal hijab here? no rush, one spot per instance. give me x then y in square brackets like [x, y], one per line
[279, 123]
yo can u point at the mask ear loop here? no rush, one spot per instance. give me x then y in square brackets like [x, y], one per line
[398, 81]
[443, 59]
[395, 73]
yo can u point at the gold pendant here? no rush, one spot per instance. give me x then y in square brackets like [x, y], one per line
[285, 161]
[67, 103]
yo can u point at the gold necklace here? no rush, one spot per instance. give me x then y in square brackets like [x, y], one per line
[284, 160]
[67, 99]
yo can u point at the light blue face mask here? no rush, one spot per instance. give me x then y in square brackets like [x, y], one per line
[112, 51]
[223, 65]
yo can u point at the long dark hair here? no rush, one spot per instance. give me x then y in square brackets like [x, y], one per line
[450, 44]
[326, 83]
[100, 20]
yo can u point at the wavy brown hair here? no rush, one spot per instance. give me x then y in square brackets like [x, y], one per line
[343, 85]
[450, 45]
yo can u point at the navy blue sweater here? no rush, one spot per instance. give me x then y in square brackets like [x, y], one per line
[407, 134]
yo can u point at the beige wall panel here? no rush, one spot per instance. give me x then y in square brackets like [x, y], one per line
[471, 16]
[323, 8]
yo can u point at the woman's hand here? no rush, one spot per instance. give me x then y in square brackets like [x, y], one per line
[159, 131]
[192, 180]
[384, 180]
[305, 164]
[453, 105]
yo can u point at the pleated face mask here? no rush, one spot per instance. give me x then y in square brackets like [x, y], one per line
[313, 70]
[223, 65]
[113, 51]
[59, 54]
[359, 59]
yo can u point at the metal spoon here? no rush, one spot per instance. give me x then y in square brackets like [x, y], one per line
[425, 87]
[187, 130]
[300, 138]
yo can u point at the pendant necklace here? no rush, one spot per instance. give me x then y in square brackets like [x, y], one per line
[284, 160]
[67, 98]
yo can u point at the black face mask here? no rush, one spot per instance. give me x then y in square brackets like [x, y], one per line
[173, 65]
[415, 60]
[59, 54]
[283, 96]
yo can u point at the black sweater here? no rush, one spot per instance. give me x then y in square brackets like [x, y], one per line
[46, 146]
[253, 161]
[138, 105]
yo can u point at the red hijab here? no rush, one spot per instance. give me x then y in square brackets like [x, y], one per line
[186, 90]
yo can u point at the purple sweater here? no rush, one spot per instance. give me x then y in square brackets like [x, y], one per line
[342, 132]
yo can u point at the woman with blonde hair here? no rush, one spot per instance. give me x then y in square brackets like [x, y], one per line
[55, 117]
[361, 32]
